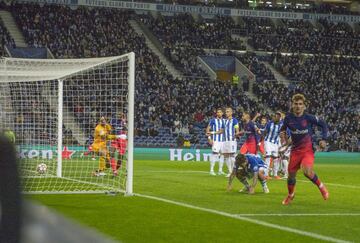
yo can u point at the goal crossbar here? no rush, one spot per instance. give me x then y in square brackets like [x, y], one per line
[25, 70]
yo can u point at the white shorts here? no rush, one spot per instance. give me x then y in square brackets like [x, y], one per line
[217, 147]
[229, 147]
[271, 149]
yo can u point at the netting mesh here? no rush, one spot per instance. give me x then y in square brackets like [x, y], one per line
[89, 89]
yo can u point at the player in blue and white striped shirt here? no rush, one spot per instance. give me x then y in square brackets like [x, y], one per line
[214, 131]
[272, 141]
[230, 132]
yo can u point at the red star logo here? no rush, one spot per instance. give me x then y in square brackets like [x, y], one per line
[66, 154]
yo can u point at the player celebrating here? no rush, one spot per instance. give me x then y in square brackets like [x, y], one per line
[247, 166]
[119, 128]
[252, 139]
[229, 147]
[215, 131]
[302, 153]
[261, 131]
[272, 133]
[101, 135]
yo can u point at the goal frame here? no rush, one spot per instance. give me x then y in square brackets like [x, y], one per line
[130, 114]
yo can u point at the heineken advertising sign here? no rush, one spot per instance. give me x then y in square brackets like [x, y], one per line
[166, 154]
[70, 152]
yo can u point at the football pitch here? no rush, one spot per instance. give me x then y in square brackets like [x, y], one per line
[181, 202]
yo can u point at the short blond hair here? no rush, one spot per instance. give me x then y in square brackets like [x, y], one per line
[297, 97]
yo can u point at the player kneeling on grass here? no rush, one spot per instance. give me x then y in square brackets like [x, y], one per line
[246, 167]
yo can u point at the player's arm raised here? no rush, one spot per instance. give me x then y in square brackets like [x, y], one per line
[257, 136]
[256, 116]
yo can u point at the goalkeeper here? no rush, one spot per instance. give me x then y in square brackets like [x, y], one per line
[101, 136]
[246, 167]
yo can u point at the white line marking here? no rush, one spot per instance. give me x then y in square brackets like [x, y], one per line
[298, 214]
[204, 172]
[334, 184]
[254, 221]
[173, 171]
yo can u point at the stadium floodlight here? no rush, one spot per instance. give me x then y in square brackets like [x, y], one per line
[53, 106]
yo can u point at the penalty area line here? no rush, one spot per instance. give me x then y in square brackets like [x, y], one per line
[243, 218]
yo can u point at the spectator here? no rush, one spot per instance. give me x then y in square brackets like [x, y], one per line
[180, 140]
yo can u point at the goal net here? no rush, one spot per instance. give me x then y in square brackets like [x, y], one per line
[53, 107]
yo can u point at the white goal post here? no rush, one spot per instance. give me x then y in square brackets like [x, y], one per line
[53, 106]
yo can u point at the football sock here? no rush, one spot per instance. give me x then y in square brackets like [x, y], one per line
[232, 161]
[113, 164]
[315, 180]
[228, 164]
[276, 166]
[285, 163]
[213, 159]
[291, 186]
[102, 163]
[221, 163]
[267, 162]
[118, 165]
[263, 183]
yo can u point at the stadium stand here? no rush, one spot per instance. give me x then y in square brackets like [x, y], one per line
[166, 96]
[160, 104]
[309, 7]
[330, 82]
[251, 61]
[301, 36]
[184, 39]
[5, 38]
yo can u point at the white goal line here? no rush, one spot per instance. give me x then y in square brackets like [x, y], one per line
[250, 220]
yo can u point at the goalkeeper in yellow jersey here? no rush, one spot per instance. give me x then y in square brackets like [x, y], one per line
[101, 136]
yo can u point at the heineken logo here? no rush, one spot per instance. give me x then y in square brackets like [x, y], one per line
[179, 155]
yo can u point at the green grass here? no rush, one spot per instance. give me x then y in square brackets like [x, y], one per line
[136, 219]
[78, 169]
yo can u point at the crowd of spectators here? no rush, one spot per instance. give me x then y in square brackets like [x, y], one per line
[295, 36]
[251, 61]
[310, 7]
[332, 86]
[35, 122]
[160, 97]
[184, 39]
[331, 83]
[5, 39]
